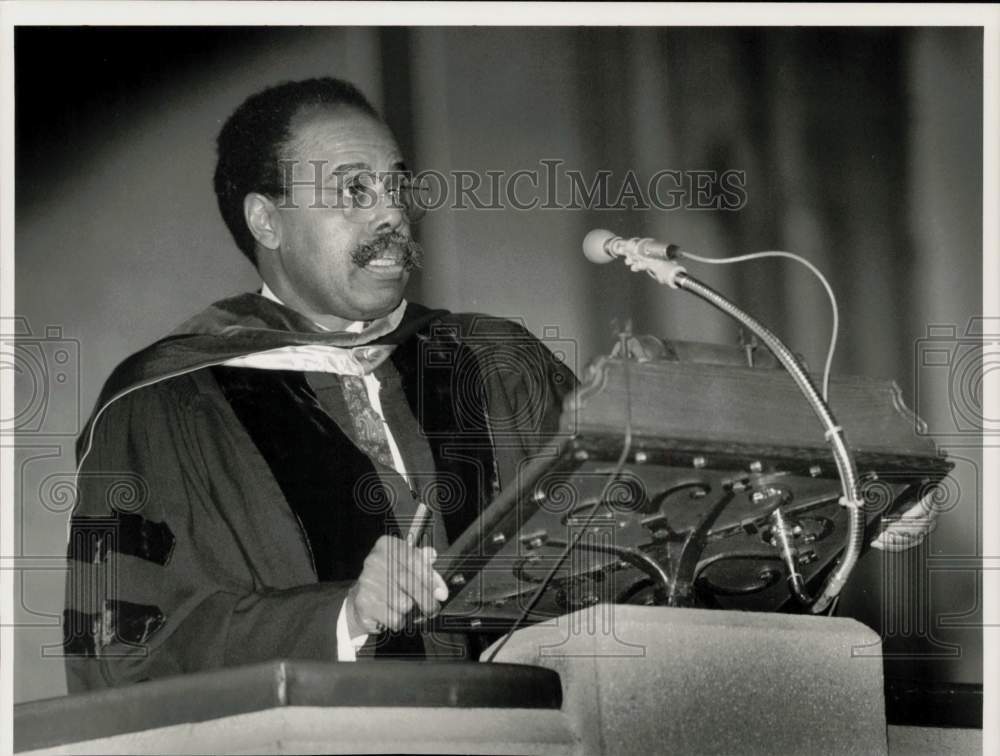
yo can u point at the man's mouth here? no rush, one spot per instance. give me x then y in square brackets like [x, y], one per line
[388, 261]
[388, 253]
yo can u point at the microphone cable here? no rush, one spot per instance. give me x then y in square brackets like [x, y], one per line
[575, 540]
[826, 285]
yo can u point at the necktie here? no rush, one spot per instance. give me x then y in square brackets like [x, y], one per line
[369, 431]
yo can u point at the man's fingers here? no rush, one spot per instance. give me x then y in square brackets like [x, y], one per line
[400, 602]
[440, 587]
[421, 585]
[410, 570]
[377, 612]
[394, 569]
[392, 619]
[440, 591]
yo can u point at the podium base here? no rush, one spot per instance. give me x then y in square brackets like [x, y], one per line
[668, 680]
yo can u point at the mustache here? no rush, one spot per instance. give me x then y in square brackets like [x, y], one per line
[410, 253]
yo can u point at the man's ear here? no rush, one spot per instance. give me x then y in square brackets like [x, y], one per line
[263, 220]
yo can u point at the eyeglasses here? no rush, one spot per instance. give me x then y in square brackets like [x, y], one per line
[355, 194]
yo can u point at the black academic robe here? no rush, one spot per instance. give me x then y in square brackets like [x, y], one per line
[217, 520]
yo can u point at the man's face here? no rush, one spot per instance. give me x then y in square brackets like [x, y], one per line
[320, 266]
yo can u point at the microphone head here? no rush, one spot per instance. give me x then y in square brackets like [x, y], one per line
[594, 246]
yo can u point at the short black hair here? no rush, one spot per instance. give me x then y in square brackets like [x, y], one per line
[253, 138]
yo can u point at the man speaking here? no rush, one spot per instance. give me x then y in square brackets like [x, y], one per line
[275, 478]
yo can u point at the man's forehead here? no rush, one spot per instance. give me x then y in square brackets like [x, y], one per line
[342, 134]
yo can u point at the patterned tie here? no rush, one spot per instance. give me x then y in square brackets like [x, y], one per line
[369, 431]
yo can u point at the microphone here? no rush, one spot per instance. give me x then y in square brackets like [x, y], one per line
[602, 246]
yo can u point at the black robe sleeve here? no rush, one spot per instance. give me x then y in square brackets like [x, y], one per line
[526, 382]
[182, 554]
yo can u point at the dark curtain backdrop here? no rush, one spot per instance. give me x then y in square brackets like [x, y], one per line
[861, 150]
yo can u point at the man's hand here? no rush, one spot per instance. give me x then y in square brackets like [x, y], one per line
[395, 579]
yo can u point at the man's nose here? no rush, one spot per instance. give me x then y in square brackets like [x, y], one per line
[387, 215]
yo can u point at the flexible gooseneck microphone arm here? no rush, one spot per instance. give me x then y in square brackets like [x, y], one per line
[659, 265]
